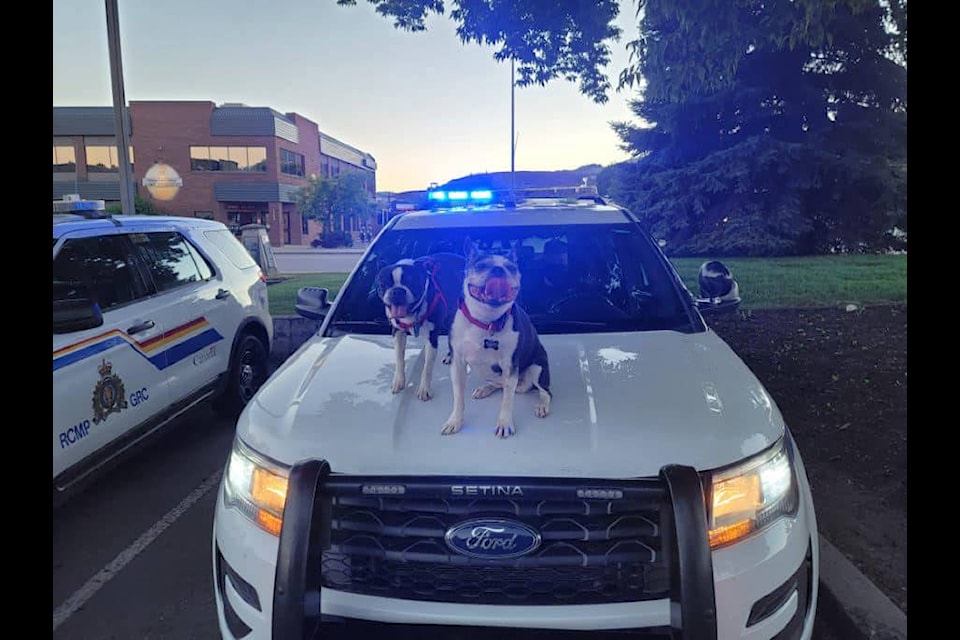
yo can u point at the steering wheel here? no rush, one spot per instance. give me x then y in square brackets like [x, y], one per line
[581, 299]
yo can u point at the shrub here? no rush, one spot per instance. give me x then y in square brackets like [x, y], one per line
[332, 239]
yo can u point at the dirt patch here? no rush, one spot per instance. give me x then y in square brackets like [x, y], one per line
[840, 380]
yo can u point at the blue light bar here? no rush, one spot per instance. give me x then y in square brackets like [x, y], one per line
[455, 198]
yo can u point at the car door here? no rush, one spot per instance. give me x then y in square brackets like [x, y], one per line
[199, 312]
[108, 380]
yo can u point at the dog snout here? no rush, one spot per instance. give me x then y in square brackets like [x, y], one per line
[397, 297]
[498, 272]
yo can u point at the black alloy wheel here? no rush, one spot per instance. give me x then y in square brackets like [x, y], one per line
[248, 371]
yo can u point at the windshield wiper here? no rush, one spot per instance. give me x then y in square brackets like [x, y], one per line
[553, 323]
[360, 326]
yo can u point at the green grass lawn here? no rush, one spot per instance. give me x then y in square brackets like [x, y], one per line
[283, 295]
[765, 283]
[816, 281]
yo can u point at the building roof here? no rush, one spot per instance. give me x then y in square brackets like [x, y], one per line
[342, 151]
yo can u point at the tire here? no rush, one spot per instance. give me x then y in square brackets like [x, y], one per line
[248, 371]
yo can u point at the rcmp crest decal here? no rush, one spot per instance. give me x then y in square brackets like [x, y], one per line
[108, 396]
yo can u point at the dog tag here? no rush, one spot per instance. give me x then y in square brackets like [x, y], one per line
[491, 344]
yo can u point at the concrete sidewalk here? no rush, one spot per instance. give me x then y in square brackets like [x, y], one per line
[295, 248]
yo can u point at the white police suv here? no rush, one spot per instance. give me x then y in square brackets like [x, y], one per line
[151, 316]
[662, 494]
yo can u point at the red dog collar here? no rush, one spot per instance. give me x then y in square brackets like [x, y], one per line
[438, 299]
[493, 327]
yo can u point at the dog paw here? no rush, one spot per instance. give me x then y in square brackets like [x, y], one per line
[447, 359]
[543, 405]
[483, 391]
[398, 385]
[504, 430]
[424, 393]
[451, 426]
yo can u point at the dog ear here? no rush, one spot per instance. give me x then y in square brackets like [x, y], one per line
[469, 249]
[514, 254]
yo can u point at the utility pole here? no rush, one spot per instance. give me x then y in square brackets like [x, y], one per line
[119, 109]
[513, 145]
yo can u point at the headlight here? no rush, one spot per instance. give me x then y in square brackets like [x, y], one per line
[257, 487]
[750, 496]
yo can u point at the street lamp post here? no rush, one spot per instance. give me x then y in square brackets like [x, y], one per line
[119, 109]
[513, 144]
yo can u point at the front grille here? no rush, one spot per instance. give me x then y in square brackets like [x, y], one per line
[592, 551]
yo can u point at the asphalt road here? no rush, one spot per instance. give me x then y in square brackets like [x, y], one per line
[315, 261]
[131, 553]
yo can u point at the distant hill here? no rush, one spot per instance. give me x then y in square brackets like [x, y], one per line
[586, 174]
[501, 180]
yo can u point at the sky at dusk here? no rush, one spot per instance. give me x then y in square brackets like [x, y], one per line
[427, 107]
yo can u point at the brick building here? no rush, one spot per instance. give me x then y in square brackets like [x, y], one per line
[239, 164]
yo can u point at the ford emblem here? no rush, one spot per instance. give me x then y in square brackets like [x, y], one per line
[492, 538]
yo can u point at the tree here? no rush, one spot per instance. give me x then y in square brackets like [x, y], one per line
[334, 202]
[547, 39]
[788, 143]
[141, 206]
[783, 120]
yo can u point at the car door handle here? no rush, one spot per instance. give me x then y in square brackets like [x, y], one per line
[139, 328]
[222, 293]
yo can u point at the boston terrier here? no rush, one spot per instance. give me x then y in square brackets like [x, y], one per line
[494, 336]
[420, 295]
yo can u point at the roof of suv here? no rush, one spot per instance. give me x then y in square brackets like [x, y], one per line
[72, 222]
[535, 211]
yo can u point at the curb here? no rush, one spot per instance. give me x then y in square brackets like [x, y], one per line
[311, 251]
[289, 332]
[847, 594]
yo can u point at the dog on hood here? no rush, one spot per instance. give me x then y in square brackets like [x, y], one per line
[420, 295]
[494, 336]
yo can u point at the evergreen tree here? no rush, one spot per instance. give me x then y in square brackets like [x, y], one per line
[796, 145]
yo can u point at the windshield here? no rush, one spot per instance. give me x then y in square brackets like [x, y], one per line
[574, 278]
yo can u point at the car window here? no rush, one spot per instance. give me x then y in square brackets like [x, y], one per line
[232, 248]
[607, 277]
[171, 259]
[99, 268]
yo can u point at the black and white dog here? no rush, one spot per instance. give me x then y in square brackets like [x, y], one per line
[494, 335]
[420, 295]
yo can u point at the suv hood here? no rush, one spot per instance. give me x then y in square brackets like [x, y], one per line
[624, 405]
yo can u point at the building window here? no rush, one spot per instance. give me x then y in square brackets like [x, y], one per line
[291, 163]
[206, 215]
[64, 159]
[102, 158]
[241, 159]
[257, 159]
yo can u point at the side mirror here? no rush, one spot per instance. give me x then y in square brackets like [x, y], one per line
[312, 302]
[719, 292]
[76, 314]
